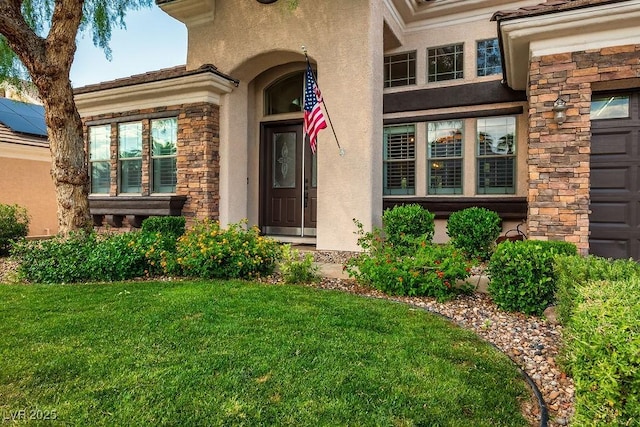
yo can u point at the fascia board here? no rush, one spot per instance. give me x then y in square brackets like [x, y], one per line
[570, 31]
[191, 89]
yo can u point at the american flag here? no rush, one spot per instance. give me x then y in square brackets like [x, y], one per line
[313, 116]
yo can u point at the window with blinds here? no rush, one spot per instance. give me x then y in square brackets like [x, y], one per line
[130, 157]
[444, 157]
[399, 175]
[400, 69]
[99, 148]
[496, 151]
[164, 150]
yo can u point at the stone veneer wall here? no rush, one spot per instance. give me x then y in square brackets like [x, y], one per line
[198, 161]
[558, 155]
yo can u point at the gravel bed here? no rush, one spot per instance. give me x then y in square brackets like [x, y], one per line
[531, 342]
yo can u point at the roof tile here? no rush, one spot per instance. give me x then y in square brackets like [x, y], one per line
[152, 76]
[549, 6]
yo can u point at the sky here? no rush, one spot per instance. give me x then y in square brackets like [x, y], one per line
[152, 40]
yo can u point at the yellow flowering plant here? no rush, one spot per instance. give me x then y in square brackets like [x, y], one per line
[207, 250]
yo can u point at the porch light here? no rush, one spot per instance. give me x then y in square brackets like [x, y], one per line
[560, 111]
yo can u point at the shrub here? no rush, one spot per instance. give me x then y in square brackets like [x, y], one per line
[603, 351]
[208, 251]
[431, 270]
[408, 225]
[572, 272]
[158, 250]
[298, 269]
[14, 224]
[113, 258]
[83, 257]
[56, 260]
[521, 274]
[474, 231]
[173, 225]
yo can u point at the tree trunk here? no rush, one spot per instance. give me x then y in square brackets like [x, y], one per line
[49, 63]
[68, 157]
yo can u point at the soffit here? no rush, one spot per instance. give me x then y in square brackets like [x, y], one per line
[413, 15]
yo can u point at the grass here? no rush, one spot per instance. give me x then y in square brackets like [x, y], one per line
[236, 353]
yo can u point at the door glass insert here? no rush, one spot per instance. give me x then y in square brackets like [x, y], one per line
[284, 160]
[610, 107]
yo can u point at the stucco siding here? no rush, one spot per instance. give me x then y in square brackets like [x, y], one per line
[26, 181]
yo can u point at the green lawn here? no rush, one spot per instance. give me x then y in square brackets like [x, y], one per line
[235, 353]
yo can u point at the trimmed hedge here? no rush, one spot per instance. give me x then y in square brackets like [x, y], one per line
[522, 276]
[474, 231]
[603, 352]
[408, 226]
[572, 272]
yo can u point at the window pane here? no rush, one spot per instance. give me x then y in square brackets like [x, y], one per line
[100, 177]
[496, 175]
[130, 157]
[164, 175]
[400, 69]
[99, 142]
[164, 149]
[131, 176]
[444, 152]
[99, 149]
[445, 63]
[445, 139]
[496, 150]
[164, 137]
[399, 160]
[445, 177]
[610, 107]
[285, 95]
[488, 58]
[496, 136]
[130, 140]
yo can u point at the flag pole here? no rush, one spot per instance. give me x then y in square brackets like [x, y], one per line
[306, 57]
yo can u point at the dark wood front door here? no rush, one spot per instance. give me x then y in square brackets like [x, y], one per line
[614, 222]
[288, 182]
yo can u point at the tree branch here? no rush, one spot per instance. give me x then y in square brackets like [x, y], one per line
[26, 44]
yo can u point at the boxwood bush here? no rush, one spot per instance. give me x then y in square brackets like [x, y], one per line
[474, 231]
[406, 226]
[521, 274]
[167, 225]
[603, 352]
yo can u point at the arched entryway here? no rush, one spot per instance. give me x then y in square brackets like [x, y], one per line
[288, 168]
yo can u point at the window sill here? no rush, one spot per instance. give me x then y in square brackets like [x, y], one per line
[134, 208]
[508, 207]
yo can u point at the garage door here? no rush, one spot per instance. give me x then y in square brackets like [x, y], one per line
[615, 175]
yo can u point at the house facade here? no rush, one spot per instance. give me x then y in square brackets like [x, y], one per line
[446, 103]
[25, 159]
